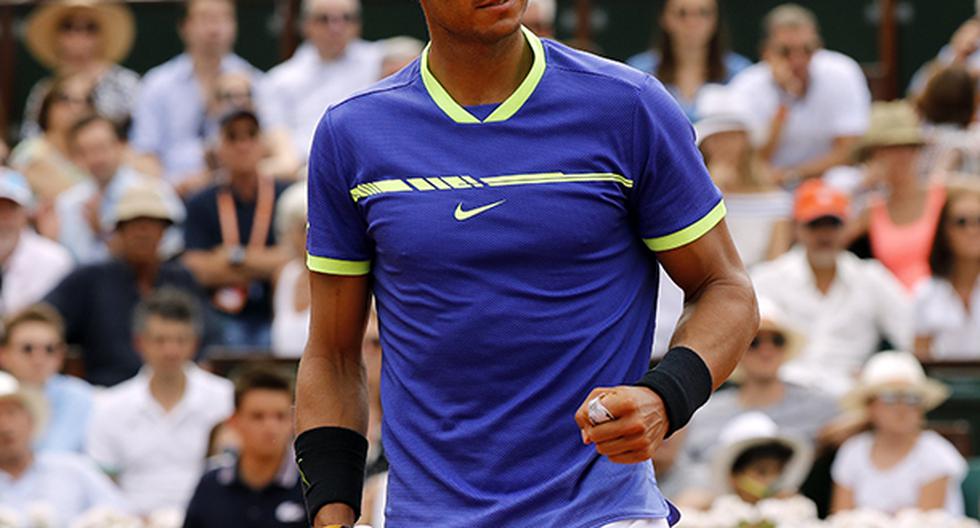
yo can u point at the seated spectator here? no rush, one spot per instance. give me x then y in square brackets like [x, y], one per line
[841, 304]
[810, 104]
[897, 465]
[329, 66]
[45, 159]
[260, 488]
[947, 305]
[962, 50]
[539, 17]
[151, 432]
[63, 485]
[803, 413]
[398, 52]
[88, 39]
[84, 211]
[691, 52]
[756, 460]
[97, 300]
[30, 265]
[901, 221]
[33, 350]
[948, 106]
[758, 211]
[291, 303]
[231, 248]
[168, 123]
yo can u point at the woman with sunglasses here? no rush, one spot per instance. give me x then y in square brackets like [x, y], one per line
[897, 465]
[691, 51]
[948, 303]
[87, 38]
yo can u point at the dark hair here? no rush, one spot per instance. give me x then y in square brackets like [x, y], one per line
[769, 451]
[55, 89]
[260, 379]
[169, 304]
[717, 48]
[941, 254]
[949, 97]
[187, 5]
[37, 313]
[89, 120]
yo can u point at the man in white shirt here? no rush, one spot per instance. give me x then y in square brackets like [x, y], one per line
[151, 432]
[842, 304]
[807, 105]
[30, 264]
[331, 65]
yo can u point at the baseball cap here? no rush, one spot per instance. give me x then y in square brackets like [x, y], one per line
[142, 200]
[14, 187]
[31, 400]
[816, 199]
[238, 113]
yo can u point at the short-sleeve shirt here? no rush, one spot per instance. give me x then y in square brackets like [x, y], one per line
[898, 487]
[941, 315]
[513, 272]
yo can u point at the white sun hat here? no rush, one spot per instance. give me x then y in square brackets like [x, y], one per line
[754, 429]
[892, 371]
[719, 111]
[32, 400]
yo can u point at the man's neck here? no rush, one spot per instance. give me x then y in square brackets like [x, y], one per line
[757, 393]
[691, 57]
[168, 388]
[478, 73]
[16, 466]
[146, 274]
[257, 472]
[823, 276]
[206, 65]
[245, 185]
[896, 442]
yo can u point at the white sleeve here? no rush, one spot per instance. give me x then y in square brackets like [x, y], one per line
[894, 309]
[922, 322]
[852, 108]
[940, 459]
[845, 468]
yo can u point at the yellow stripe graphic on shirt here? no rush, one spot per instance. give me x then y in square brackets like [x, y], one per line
[446, 183]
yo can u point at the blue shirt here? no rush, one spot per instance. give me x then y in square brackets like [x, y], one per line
[70, 403]
[513, 272]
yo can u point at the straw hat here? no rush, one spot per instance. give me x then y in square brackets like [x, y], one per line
[142, 200]
[32, 400]
[893, 124]
[116, 28]
[889, 371]
[719, 112]
[754, 429]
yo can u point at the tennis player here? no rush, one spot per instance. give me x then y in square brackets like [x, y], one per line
[508, 201]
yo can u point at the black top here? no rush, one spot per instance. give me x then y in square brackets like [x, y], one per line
[97, 303]
[222, 500]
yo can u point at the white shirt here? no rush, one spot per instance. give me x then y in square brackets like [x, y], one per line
[32, 270]
[940, 314]
[63, 485]
[843, 327]
[289, 327]
[158, 456]
[837, 103]
[296, 93]
[898, 487]
[751, 219]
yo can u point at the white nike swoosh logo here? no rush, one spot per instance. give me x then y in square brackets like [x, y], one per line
[462, 215]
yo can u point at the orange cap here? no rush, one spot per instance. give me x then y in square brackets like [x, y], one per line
[815, 199]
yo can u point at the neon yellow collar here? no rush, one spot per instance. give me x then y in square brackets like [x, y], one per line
[503, 112]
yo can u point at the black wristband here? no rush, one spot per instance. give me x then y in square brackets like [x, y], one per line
[683, 382]
[331, 464]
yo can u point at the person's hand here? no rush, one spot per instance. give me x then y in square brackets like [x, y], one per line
[782, 74]
[965, 41]
[638, 428]
[91, 212]
[192, 183]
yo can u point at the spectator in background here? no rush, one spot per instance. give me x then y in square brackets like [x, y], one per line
[97, 300]
[33, 350]
[330, 65]
[841, 304]
[45, 159]
[963, 50]
[84, 211]
[398, 52]
[87, 38]
[901, 221]
[64, 485]
[809, 104]
[947, 305]
[30, 264]
[540, 18]
[947, 106]
[758, 211]
[231, 246]
[691, 51]
[260, 488]
[169, 129]
[897, 465]
[151, 432]
[291, 303]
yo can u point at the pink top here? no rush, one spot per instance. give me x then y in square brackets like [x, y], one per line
[904, 249]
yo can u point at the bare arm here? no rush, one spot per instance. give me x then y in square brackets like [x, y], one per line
[213, 270]
[780, 240]
[331, 384]
[923, 347]
[932, 496]
[840, 154]
[842, 499]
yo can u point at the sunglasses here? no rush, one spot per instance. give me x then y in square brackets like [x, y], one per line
[700, 12]
[788, 51]
[775, 339]
[895, 398]
[326, 19]
[962, 222]
[48, 348]
[247, 135]
[76, 26]
[234, 96]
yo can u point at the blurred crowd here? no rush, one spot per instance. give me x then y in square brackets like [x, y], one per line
[153, 224]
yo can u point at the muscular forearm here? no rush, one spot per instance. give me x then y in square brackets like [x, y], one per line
[331, 392]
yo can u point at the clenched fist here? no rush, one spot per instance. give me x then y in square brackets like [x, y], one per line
[638, 428]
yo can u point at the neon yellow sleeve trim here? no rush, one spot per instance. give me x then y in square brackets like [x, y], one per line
[351, 268]
[690, 233]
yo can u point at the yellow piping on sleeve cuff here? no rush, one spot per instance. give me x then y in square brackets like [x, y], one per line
[351, 268]
[690, 233]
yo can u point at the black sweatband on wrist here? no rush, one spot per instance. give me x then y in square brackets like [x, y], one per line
[331, 464]
[683, 382]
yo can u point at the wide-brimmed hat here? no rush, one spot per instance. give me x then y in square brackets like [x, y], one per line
[718, 111]
[754, 429]
[116, 28]
[892, 371]
[32, 400]
[142, 200]
[893, 124]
